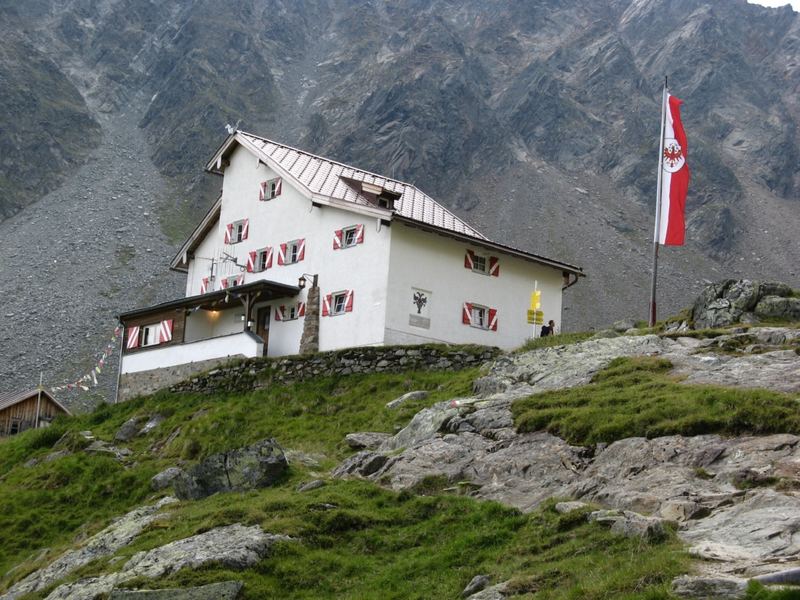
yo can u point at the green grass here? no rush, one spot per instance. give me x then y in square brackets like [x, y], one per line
[756, 591]
[635, 397]
[377, 544]
[45, 505]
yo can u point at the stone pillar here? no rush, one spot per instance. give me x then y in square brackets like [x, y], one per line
[309, 341]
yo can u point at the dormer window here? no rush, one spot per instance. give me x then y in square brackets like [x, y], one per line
[386, 199]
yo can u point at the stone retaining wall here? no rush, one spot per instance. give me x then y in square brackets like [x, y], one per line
[251, 373]
[149, 382]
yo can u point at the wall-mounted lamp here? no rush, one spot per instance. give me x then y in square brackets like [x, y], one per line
[241, 317]
[301, 283]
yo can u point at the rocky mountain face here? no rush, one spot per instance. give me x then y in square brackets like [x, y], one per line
[536, 121]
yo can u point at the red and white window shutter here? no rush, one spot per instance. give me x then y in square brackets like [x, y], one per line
[268, 260]
[493, 319]
[133, 338]
[228, 233]
[469, 260]
[337, 239]
[165, 331]
[301, 309]
[301, 251]
[246, 229]
[204, 285]
[326, 305]
[494, 266]
[282, 254]
[251, 261]
[348, 301]
[466, 313]
[280, 313]
[264, 189]
[360, 233]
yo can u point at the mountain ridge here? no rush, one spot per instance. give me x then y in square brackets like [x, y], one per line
[538, 123]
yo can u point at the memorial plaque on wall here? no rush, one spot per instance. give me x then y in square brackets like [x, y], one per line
[419, 313]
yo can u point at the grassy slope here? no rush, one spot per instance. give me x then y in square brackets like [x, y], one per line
[636, 397]
[355, 540]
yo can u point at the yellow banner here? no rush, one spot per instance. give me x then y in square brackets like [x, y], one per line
[536, 300]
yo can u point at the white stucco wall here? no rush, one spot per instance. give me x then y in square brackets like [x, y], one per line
[204, 324]
[436, 264]
[157, 357]
[290, 216]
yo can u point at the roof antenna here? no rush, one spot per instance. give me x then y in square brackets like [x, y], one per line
[229, 258]
[232, 128]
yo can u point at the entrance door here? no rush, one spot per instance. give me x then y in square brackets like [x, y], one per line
[262, 325]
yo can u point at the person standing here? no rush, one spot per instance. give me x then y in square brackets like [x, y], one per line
[548, 329]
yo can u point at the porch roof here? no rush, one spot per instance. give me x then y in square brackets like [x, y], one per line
[220, 299]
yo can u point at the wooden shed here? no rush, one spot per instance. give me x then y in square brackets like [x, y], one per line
[18, 410]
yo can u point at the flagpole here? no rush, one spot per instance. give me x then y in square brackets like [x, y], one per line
[652, 320]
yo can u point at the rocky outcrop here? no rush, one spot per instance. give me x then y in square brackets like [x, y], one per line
[731, 301]
[692, 481]
[259, 465]
[225, 590]
[561, 367]
[232, 546]
[709, 588]
[366, 440]
[105, 543]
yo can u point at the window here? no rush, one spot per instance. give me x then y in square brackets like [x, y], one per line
[292, 252]
[237, 231]
[479, 263]
[14, 426]
[259, 260]
[149, 335]
[263, 258]
[338, 304]
[349, 237]
[290, 313]
[232, 281]
[479, 316]
[270, 189]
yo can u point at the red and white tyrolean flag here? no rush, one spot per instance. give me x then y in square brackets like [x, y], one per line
[674, 177]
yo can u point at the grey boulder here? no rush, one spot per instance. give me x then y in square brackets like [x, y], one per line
[225, 590]
[166, 478]
[366, 440]
[709, 587]
[252, 467]
[775, 307]
[415, 395]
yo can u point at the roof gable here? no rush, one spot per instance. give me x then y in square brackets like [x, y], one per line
[11, 398]
[319, 176]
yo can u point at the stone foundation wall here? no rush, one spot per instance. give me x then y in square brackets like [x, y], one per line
[252, 373]
[148, 382]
